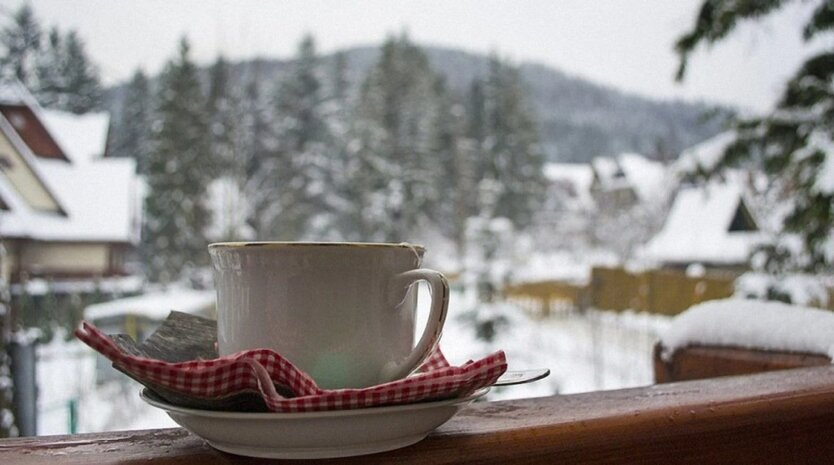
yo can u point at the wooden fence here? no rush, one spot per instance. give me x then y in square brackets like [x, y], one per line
[666, 292]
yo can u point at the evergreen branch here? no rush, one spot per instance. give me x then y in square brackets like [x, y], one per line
[715, 20]
[822, 20]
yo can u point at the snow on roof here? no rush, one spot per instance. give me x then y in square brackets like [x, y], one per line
[604, 167]
[578, 175]
[155, 305]
[646, 177]
[752, 324]
[697, 228]
[98, 198]
[704, 155]
[83, 137]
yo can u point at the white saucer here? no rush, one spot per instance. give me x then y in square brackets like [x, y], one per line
[315, 435]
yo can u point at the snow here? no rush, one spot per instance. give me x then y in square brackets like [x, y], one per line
[704, 156]
[66, 372]
[647, 177]
[98, 208]
[825, 177]
[821, 142]
[697, 228]
[578, 176]
[155, 305]
[563, 265]
[585, 352]
[113, 285]
[753, 324]
[97, 194]
[802, 289]
[83, 137]
[97, 197]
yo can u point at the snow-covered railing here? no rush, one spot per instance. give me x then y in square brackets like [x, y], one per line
[775, 418]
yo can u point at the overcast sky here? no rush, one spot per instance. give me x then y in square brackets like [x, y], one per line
[624, 44]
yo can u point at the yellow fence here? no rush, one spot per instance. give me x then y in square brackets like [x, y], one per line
[543, 298]
[666, 292]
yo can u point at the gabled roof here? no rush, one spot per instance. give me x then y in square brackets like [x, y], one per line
[702, 227]
[630, 170]
[40, 195]
[97, 195]
[83, 137]
[576, 176]
[24, 113]
[703, 156]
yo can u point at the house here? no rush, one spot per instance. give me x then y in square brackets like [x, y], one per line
[625, 180]
[67, 213]
[568, 187]
[709, 225]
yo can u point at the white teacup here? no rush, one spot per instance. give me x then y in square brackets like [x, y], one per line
[342, 312]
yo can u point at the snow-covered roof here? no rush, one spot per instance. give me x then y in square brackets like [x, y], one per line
[83, 137]
[752, 324]
[155, 305]
[697, 228]
[647, 177]
[578, 175]
[704, 155]
[97, 195]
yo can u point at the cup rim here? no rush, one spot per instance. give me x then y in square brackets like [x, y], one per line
[281, 244]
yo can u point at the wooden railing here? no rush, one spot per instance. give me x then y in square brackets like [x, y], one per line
[782, 417]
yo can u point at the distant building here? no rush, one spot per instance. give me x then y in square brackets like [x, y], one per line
[625, 180]
[67, 213]
[568, 187]
[709, 225]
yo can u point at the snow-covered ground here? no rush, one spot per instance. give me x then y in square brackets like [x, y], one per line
[596, 350]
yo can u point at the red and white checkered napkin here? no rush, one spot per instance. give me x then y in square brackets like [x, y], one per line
[260, 369]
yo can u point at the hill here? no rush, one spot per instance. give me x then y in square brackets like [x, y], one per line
[578, 119]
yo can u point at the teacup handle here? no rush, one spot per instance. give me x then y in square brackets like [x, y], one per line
[439, 286]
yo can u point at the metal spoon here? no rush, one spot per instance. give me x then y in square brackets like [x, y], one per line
[510, 378]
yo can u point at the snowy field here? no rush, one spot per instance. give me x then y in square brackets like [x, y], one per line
[591, 351]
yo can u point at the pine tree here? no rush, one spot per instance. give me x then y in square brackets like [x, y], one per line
[176, 214]
[83, 89]
[507, 142]
[49, 69]
[132, 134]
[220, 107]
[392, 164]
[228, 144]
[302, 130]
[258, 165]
[793, 143]
[65, 79]
[21, 41]
[455, 198]
[338, 110]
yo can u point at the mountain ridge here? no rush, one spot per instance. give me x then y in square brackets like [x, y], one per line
[578, 119]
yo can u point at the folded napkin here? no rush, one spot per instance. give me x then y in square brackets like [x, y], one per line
[179, 363]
